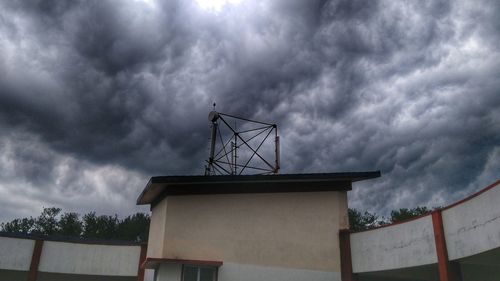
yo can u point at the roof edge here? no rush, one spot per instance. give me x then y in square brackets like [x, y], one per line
[157, 185]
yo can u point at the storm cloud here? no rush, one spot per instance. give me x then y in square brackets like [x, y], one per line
[98, 96]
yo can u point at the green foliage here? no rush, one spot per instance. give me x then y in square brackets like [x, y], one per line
[92, 226]
[46, 223]
[70, 225]
[100, 227]
[135, 227]
[405, 214]
[361, 221]
[24, 226]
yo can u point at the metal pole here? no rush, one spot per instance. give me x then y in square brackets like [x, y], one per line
[232, 164]
[277, 149]
[212, 146]
[235, 155]
[212, 117]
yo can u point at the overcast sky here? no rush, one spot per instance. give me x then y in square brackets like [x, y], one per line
[98, 96]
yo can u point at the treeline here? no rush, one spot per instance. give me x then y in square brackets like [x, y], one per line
[366, 220]
[51, 222]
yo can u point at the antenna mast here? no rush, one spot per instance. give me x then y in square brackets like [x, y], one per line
[224, 155]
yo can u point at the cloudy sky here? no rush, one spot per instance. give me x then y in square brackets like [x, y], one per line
[98, 96]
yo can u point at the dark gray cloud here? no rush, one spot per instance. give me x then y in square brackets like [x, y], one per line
[97, 96]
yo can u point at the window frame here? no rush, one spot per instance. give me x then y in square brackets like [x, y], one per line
[199, 267]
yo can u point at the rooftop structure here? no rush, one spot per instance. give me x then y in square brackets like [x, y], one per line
[248, 227]
[238, 146]
[160, 187]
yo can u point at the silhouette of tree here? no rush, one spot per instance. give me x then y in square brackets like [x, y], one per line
[70, 225]
[24, 226]
[362, 221]
[405, 213]
[135, 227]
[100, 227]
[47, 223]
[52, 222]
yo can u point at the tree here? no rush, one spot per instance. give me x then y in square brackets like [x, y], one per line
[405, 213]
[359, 221]
[47, 223]
[24, 226]
[70, 225]
[51, 222]
[134, 228]
[100, 227]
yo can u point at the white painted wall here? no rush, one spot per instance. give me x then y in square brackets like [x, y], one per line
[246, 272]
[473, 226]
[400, 245]
[149, 275]
[73, 258]
[15, 253]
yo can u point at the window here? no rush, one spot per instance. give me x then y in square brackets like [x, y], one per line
[199, 273]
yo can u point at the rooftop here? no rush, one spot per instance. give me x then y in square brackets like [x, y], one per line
[160, 187]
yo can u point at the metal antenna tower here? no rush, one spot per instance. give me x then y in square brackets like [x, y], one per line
[236, 152]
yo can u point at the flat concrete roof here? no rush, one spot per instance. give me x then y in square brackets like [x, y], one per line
[160, 187]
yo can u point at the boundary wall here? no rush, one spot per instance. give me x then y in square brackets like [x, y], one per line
[445, 237]
[29, 258]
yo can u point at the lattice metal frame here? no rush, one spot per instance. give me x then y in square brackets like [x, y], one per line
[223, 158]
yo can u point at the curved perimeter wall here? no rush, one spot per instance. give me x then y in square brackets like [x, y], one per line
[473, 226]
[63, 260]
[401, 245]
[470, 227]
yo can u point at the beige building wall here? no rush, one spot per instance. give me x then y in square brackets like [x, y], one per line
[286, 230]
[157, 230]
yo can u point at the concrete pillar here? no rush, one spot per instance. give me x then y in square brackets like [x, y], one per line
[448, 271]
[345, 255]
[35, 260]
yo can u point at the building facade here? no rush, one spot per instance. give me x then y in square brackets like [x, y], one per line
[230, 228]
[289, 227]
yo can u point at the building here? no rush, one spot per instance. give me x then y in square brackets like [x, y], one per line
[294, 227]
[271, 228]
[229, 228]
